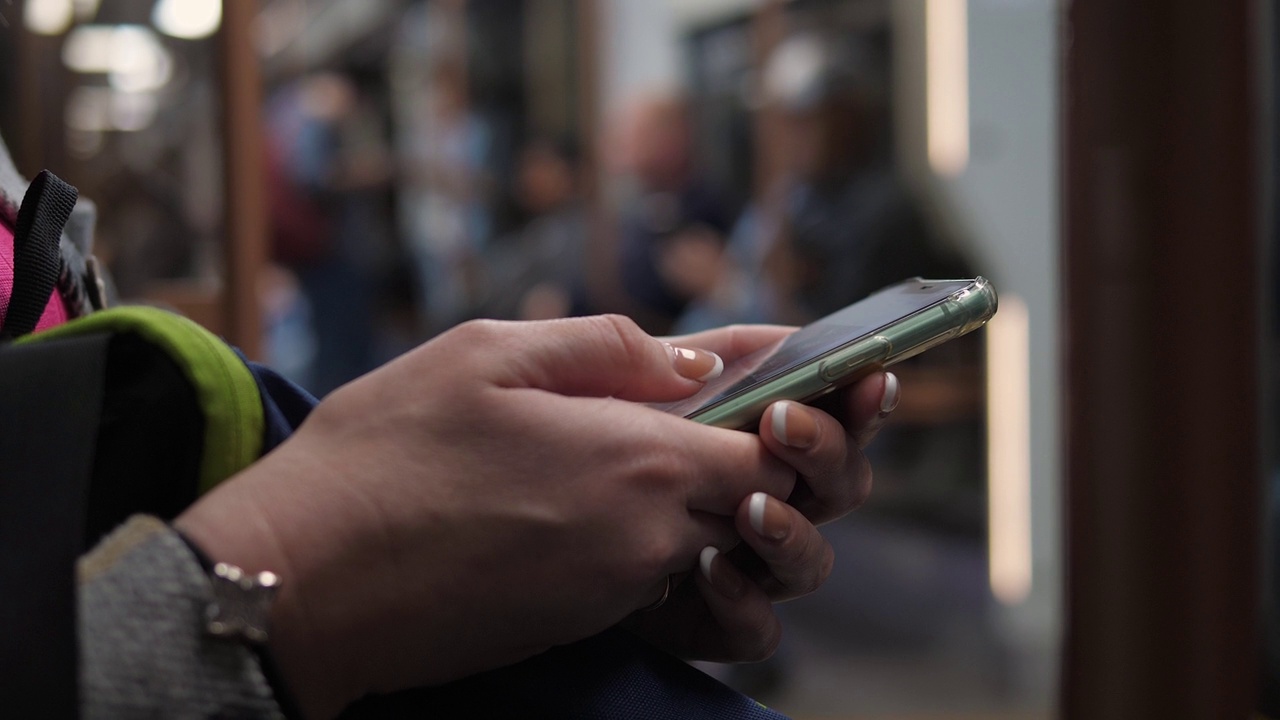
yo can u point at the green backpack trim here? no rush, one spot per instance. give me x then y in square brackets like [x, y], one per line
[226, 390]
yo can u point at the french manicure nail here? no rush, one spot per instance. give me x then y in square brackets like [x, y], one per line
[793, 426]
[723, 578]
[700, 365]
[768, 519]
[889, 400]
[708, 556]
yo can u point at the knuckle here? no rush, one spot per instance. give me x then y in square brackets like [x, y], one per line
[802, 562]
[658, 471]
[807, 561]
[629, 335]
[822, 569]
[625, 344]
[765, 638]
[621, 324]
[860, 483]
[654, 556]
[477, 332]
[838, 493]
[658, 466]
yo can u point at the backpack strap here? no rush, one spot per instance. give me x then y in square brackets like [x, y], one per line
[48, 431]
[37, 258]
[224, 387]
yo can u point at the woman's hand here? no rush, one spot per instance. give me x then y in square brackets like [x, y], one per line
[725, 611]
[485, 497]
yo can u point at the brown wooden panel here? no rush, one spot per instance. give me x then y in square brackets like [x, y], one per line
[1161, 247]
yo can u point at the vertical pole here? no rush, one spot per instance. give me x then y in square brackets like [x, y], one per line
[43, 84]
[244, 203]
[28, 150]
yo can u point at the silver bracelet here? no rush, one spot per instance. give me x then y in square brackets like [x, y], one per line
[241, 606]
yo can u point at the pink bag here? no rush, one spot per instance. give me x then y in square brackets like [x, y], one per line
[55, 311]
[45, 277]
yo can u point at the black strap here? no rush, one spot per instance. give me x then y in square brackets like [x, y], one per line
[37, 260]
[48, 432]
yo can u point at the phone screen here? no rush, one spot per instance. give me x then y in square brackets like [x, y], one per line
[815, 340]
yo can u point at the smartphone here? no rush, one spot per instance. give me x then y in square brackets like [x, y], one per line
[893, 324]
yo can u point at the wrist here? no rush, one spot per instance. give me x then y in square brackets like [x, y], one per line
[233, 524]
[270, 668]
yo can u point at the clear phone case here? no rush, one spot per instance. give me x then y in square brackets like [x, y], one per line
[959, 313]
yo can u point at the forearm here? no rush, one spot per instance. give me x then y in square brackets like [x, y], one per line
[143, 650]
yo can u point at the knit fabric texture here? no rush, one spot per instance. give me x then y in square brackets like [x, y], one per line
[143, 650]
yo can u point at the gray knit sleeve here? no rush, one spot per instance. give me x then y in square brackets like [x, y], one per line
[143, 650]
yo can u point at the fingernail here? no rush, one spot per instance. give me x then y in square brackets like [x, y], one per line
[723, 578]
[793, 426]
[700, 365]
[889, 400]
[768, 519]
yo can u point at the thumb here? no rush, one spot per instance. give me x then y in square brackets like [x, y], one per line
[603, 355]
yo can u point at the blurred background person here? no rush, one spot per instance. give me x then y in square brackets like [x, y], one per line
[447, 196]
[536, 273]
[327, 165]
[851, 226]
[671, 221]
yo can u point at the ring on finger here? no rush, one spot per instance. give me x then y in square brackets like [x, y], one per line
[666, 593]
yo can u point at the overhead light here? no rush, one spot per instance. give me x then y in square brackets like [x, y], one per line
[131, 55]
[947, 85]
[101, 109]
[88, 49]
[187, 19]
[47, 17]
[139, 62]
